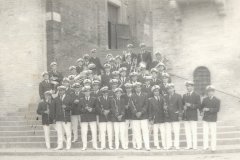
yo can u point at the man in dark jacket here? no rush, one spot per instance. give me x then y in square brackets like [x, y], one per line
[191, 103]
[118, 118]
[174, 109]
[55, 76]
[88, 106]
[210, 108]
[45, 85]
[75, 117]
[94, 59]
[45, 109]
[62, 117]
[139, 110]
[105, 117]
[145, 56]
[156, 104]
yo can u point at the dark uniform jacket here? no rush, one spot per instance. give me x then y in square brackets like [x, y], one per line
[42, 107]
[145, 57]
[56, 76]
[98, 64]
[117, 109]
[75, 105]
[87, 116]
[139, 104]
[156, 110]
[79, 69]
[156, 81]
[105, 80]
[191, 114]
[214, 106]
[174, 105]
[69, 91]
[147, 90]
[163, 89]
[104, 104]
[61, 114]
[43, 87]
[128, 114]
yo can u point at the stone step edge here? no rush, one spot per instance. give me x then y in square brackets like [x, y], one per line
[93, 153]
[53, 131]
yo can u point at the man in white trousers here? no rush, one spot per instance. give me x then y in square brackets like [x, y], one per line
[118, 111]
[128, 115]
[45, 109]
[139, 110]
[62, 117]
[173, 116]
[75, 117]
[105, 116]
[191, 103]
[156, 107]
[210, 108]
[88, 106]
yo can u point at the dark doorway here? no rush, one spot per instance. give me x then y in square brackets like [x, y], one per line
[112, 22]
[202, 78]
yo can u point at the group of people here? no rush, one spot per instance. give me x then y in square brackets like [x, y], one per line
[130, 92]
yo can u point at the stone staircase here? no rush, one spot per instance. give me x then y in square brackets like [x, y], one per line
[20, 129]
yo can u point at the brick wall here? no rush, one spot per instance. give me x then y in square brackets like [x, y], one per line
[22, 51]
[203, 38]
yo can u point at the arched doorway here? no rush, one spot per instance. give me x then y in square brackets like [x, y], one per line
[202, 78]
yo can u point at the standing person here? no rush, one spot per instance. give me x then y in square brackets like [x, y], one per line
[174, 109]
[62, 117]
[158, 58]
[164, 84]
[45, 85]
[191, 103]
[88, 105]
[156, 105]
[66, 84]
[210, 108]
[45, 109]
[144, 56]
[128, 62]
[114, 84]
[75, 117]
[86, 61]
[147, 86]
[79, 66]
[139, 110]
[123, 77]
[94, 59]
[118, 118]
[105, 116]
[73, 70]
[155, 80]
[55, 76]
[118, 60]
[106, 76]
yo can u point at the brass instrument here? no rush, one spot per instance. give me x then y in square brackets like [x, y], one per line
[102, 109]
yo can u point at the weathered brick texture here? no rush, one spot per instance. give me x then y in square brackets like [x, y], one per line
[203, 38]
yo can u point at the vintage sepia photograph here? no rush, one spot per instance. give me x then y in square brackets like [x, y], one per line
[119, 79]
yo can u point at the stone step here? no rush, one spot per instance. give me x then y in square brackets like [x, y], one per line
[40, 138]
[39, 127]
[32, 144]
[232, 134]
[76, 152]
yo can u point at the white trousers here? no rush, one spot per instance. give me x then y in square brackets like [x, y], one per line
[103, 128]
[46, 129]
[129, 125]
[212, 126]
[61, 128]
[175, 127]
[75, 119]
[141, 130]
[156, 128]
[84, 131]
[120, 133]
[191, 133]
